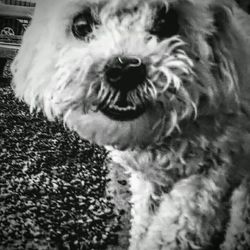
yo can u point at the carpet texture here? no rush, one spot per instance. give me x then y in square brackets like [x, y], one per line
[52, 185]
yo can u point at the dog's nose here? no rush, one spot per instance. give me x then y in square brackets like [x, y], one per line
[125, 73]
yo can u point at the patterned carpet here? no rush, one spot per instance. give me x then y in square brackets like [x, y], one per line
[52, 185]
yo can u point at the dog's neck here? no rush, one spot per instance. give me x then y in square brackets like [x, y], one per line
[198, 149]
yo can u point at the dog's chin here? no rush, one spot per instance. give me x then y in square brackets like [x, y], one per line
[109, 126]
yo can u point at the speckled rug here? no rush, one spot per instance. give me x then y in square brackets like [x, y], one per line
[52, 185]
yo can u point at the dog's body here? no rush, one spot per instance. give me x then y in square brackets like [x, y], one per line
[165, 85]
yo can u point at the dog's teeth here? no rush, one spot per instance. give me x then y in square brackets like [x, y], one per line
[133, 107]
[129, 108]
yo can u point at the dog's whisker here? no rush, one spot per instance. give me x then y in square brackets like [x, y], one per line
[66, 116]
[181, 55]
[189, 105]
[92, 88]
[171, 43]
[140, 90]
[103, 94]
[176, 82]
[152, 88]
[195, 110]
[151, 94]
[172, 122]
[148, 94]
[115, 98]
[156, 125]
[161, 128]
[173, 63]
[109, 97]
[102, 90]
[134, 98]
[130, 97]
[168, 78]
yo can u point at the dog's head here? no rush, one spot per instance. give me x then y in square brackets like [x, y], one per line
[131, 72]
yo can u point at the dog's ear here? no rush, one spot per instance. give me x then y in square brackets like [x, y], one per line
[230, 43]
[30, 65]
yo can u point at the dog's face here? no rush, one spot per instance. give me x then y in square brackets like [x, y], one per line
[129, 72]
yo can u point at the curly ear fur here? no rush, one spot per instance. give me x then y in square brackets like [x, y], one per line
[34, 63]
[230, 48]
[230, 43]
[27, 61]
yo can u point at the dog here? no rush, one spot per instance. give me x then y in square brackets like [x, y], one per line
[164, 85]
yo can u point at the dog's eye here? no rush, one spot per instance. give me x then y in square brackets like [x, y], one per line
[166, 23]
[83, 24]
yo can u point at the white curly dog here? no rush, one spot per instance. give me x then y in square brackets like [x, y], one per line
[165, 84]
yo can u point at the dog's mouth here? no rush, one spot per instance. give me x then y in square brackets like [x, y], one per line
[122, 109]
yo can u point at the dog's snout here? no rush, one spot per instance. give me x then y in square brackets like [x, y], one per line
[125, 73]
